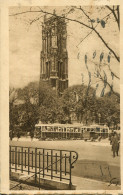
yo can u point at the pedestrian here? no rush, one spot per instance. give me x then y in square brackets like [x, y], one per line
[18, 133]
[115, 144]
[32, 134]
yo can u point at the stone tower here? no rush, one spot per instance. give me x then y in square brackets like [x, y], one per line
[54, 56]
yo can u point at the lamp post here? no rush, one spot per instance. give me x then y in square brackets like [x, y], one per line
[99, 115]
[93, 119]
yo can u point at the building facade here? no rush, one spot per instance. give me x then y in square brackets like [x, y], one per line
[54, 56]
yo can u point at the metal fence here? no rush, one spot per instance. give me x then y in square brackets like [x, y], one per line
[43, 163]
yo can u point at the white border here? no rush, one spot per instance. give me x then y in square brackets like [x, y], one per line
[4, 87]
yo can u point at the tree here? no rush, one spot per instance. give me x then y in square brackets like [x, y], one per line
[13, 120]
[38, 102]
[81, 100]
[28, 112]
[30, 93]
[90, 108]
[50, 109]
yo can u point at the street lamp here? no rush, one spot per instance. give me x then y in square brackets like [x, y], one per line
[99, 115]
[93, 117]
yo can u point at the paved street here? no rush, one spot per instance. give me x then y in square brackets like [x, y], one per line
[97, 151]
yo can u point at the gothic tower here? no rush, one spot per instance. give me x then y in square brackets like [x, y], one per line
[54, 56]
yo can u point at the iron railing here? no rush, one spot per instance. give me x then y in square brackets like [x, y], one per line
[42, 162]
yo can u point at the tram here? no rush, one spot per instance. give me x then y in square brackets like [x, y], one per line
[95, 132]
[70, 131]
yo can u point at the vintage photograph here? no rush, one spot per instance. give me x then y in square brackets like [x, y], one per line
[64, 98]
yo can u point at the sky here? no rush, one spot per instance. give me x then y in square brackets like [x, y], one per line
[25, 45]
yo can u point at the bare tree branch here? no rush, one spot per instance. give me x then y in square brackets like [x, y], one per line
[85, 38]
[94, 29]
[87, 16]
[107, 66]
[36, 19]
[112, 71]
[118, 16]
[73, 20]
[20, 13]
[109, 85]
[77, 21]
[99, 76]
[115, 16]
[110, 49]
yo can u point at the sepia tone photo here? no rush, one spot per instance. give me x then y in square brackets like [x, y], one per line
[64, 98]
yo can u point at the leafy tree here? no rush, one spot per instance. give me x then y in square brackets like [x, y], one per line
[110, 109]
[28, 112]
[13, 120]
[50, 109]
[81, 100]
[90, 108]
[37, 102]
[30, 93]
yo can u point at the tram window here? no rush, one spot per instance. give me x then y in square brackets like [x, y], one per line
[48, 128]
[55, 128]
[106, 130]
[59, 129]
[43, 128]
[98, 129]
[84, 129]
[71, 129]
[68, 129]
[38, 130]
[75, 130]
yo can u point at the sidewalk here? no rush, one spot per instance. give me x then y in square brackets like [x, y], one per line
[79, 182]
[90, 184]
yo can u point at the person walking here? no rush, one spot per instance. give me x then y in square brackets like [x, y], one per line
[115, 144]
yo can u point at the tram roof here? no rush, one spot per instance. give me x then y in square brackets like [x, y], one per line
[60, 125]
[69, 125]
